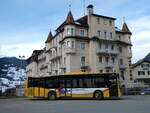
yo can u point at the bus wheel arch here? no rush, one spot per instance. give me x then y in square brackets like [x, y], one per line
[51, 95]
[98, 95]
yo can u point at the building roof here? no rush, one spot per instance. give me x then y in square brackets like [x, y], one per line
[69, 19]
[104, 16]
[145, 59]
[82, 21]
[34, 56]
[125, 28]
[49, 37]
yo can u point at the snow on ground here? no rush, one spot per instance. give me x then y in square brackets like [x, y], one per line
[14, 76]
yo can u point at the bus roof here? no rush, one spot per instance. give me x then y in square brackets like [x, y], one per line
[77, 73]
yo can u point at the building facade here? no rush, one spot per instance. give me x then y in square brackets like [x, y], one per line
[141, 72]
[91, 43]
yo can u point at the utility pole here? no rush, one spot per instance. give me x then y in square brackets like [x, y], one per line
[21, 58]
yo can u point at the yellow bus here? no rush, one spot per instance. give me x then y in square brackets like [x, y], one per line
[75, 85]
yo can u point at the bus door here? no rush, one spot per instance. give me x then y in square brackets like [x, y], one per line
[112, 84]
[30, 87]
[68, 87]
[41, 88]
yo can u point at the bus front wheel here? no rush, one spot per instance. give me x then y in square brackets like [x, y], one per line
[98, 95]
[51, 96]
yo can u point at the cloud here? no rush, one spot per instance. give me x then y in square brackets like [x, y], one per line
[140, 37]
[20, 49]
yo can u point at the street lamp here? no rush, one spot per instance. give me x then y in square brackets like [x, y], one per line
[21, 58]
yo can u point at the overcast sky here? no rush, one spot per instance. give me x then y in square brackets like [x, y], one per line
[25, 24]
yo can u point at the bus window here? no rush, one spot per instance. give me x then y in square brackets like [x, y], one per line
[55, 82]
[75, 83]
[87, 83]
[62, 83]
[51, 83]
[30, 84]
[68, 84]
[42, 83]
[35, 82]
[99, 82]
[80, 83]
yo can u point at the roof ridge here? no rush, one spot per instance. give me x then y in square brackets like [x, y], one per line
[49, 37]
[125, 28]
[69, 19]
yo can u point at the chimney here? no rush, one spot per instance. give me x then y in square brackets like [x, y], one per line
[90, 9]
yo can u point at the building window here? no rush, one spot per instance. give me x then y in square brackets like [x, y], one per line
[99, 45]
[72, 44]
[145, 66]
[83, 61]
[98, 20]
[110, 22]
[81, 32]
[129, 39]
[113, 60]
[106, 46]
[72, 31]
[141, 73]
[68, 44]
[83, 70]
[101, 70]
[130, 50]
[107, 70]
[112, 47]
[99, 33]
[105, 34]
[68, 31]
[82, 46]
[148, 72]
[106, 59]
[122, 75]
[121, 61]
[111, 35]
[64, 60]
[105, 22]
[100, 58]
[120, 49]
[119, 37]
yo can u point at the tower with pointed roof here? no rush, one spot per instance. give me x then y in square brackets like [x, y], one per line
[90, 44]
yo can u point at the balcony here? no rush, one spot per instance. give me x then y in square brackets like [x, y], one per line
[56, 56]
[106, 52]
[122, 66]
[84, 67]
[70, 50]
[63, 66]
[43, 67]
[109, 65]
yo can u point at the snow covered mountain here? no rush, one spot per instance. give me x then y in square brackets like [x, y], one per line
[12, 72]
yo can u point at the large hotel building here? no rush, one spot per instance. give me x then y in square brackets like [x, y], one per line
[90, 44]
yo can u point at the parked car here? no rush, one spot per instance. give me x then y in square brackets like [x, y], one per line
[145, 91]
[132, 91]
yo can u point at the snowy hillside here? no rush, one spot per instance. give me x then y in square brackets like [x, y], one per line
[12, 72]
